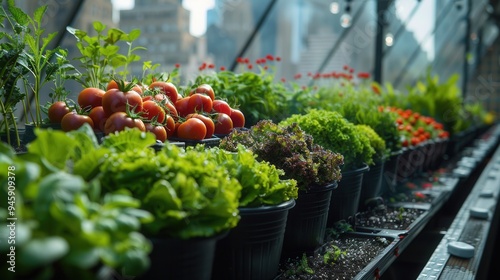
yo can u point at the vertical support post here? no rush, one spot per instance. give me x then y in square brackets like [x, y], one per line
[382, 6]
[465, 74]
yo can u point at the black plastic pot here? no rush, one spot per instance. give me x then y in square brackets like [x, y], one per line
[345, 198]
[252, 249]
[390, 172]
[306, 226]
[371, 185]
[179, 259]
[29, 131]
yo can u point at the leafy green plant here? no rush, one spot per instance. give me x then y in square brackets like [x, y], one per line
[101, 55]
[376, 142]
[12, 45]
[64, 226]
[260, 180]
[290, 149]
[332, 131]
[338, 229]
[333, 254]
[302, 268]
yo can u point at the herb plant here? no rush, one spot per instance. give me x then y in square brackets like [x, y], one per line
[12, 45]
[291, 149]
[332, 131]
[101, 56]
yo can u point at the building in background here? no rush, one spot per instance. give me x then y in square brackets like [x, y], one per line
[164, 26]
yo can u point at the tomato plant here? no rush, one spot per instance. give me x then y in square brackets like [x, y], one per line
[192, 129]
[57, 111]
[204, 89]
[168, 88]
[209, 123]
[73, 121]
[221, 106]
[158, 130]
[223, 124]
[117, 100]
[238, 118]
[90, 97]
[119, 120]
[98, 117]
[199, 102]
[151, 110]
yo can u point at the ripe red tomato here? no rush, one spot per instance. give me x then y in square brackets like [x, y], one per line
[112, 84]
[115, 100]
[199, 102]
[90, 97]
[57, 111]
[171, 110]
[151, 110]
[119, 120]
[182, 106]
[169, 126]
[223, 124]
[209, 123]
[73, 121]
[205, 89]
[168, 88]
[192, 129]
[158, 130]
[98, 117]
[221, 106]
[238, 118]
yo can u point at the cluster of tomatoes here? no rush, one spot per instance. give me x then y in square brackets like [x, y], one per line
[158, 108]
[415, 128]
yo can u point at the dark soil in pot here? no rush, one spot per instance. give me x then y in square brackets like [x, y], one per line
[388, 217]
[354, 254]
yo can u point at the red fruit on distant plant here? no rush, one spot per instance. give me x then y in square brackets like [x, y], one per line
[90, 97]
[57, 111]
[73, 121]
[238, 118]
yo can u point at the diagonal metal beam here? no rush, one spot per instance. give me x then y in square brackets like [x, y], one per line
[256, 29]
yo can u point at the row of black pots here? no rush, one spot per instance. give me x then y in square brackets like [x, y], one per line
[263, 238]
